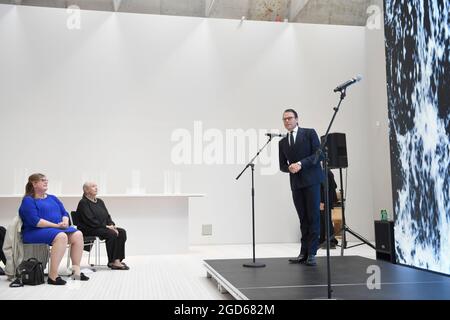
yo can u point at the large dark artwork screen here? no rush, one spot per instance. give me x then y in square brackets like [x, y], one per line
[417, 51]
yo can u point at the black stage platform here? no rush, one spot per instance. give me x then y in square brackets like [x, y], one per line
[280, 280]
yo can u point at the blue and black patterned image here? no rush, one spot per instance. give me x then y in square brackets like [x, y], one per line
[417, 50]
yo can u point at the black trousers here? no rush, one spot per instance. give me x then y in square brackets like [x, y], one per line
[323, 227]
[307, 204]
[115, 244]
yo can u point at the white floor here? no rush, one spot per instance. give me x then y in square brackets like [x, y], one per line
[169, 277]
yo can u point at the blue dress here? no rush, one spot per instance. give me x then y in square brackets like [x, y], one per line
[32, 210]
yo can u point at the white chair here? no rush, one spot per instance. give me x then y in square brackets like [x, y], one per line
[91, 241]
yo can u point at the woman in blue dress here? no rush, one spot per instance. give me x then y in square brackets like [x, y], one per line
[46, 221]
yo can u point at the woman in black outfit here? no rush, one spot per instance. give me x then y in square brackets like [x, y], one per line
[94, 220]
[332, 196]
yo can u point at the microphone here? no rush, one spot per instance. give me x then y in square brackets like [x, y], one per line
[271, 135]
[348, 83]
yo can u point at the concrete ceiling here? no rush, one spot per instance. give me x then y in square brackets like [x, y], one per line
[343, 12]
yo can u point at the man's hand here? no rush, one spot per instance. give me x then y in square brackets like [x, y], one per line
[294, 168]
[322, 206]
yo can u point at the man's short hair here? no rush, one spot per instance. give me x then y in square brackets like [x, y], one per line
[293, 111]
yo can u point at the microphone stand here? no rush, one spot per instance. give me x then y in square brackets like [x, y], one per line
[323, 151]
[253, 264]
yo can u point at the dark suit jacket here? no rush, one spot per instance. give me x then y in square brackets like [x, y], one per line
[305, 147]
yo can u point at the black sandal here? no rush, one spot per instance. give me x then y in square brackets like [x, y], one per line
[81, 277]
[113, 267]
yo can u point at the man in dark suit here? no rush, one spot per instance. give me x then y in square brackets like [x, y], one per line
[297, 153]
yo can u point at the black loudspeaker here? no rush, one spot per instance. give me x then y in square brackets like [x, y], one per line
[337, 150]
[384, 240]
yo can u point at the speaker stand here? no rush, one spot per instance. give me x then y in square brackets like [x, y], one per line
[346, 228]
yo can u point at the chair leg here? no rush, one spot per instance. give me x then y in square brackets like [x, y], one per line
[68, 260]
[49, 260]
[96, 244]
[89, 255]
[91, 244]
[97, 252]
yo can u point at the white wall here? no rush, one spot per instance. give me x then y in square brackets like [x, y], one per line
[102, 102]
[380, 164]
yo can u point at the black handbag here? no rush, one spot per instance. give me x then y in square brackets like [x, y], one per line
[30, 272]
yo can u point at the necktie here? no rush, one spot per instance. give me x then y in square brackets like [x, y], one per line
[291, 139]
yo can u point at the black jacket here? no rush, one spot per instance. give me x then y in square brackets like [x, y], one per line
[304, 150]
[93, 215]
[332, 196]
